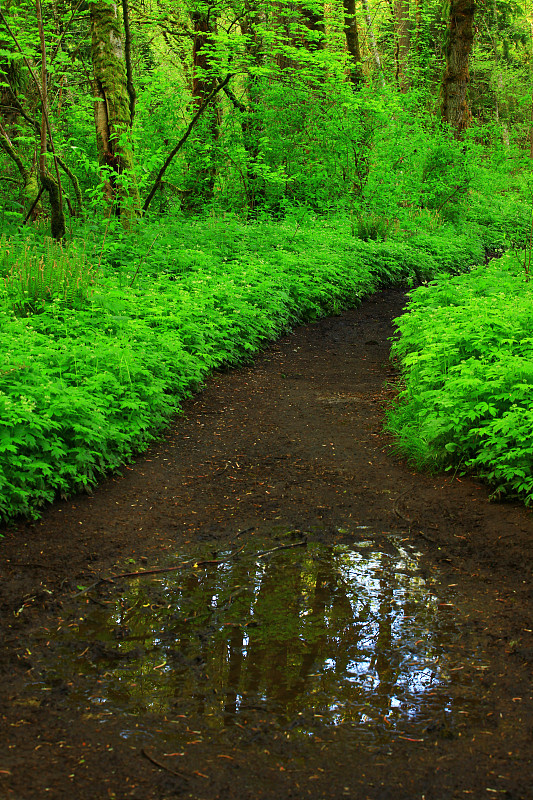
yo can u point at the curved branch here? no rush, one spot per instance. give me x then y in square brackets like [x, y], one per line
[183, 139]
[74, 181]
[7, 147]
[235, 100]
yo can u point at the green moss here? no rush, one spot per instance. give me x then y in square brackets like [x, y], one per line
[111, 87]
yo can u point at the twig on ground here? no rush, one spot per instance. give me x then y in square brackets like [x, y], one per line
[159, 570]
[157, 763]
[281, 547]
[156, 570]
[92, 586]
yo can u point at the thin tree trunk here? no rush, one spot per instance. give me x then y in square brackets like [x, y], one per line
[202, 168]
[182, 141]
[52, 185]
[460, 37]
[351, 33]
[401, 13]
[127, 55]
[30, 184]
[373, 46]
[251, 26]
[531, 118]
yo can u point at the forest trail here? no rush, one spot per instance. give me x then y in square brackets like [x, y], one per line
[286, 451]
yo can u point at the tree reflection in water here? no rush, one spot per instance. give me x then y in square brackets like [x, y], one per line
[324, 635]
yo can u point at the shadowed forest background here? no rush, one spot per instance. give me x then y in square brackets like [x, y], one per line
[181, 182]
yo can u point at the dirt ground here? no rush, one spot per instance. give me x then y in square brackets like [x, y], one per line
[294, 440]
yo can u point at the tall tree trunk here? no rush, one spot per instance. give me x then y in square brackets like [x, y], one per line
[499, 87]
[373, 46]
[459, 40]
[51, 184]
[112, 112]
[313, 19]
[531, 113]
[419, 19]
[252, 25]
[351, 33]
[202, 176]
[401, 13]
[302, 25]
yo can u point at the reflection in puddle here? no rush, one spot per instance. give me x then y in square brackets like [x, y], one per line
[304, 637]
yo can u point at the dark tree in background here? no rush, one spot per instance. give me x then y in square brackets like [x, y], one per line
[459, 40]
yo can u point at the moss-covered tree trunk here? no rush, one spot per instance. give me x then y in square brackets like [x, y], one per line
[28, 173]
[459, 40]
[112, 110]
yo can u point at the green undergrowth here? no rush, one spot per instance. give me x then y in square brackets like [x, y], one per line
[466, 352]
[86, 385]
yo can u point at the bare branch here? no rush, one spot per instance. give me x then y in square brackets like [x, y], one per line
[183, 139]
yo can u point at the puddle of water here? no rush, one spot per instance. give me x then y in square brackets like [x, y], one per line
[306, 638]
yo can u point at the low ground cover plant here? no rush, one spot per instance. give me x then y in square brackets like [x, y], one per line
[88, 379]
[466, 353]
[84, 387]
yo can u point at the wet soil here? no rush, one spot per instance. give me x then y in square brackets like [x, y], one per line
[272, 484]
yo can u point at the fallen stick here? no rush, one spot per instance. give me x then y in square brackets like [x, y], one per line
[157, 763]
[159, 570]
[92, 586]
[156, 570]
[281, 547]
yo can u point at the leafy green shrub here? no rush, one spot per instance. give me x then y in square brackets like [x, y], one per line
[466, 351]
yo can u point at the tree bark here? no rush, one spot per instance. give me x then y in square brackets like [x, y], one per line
[373, 45]
[313, 19]
[52, 185]
[112, 114]
[202, 175]
[30, 184]
[401, 13]
[301, 24]
[351, 33]
[531, 112]
[10, 112]
[459, 40]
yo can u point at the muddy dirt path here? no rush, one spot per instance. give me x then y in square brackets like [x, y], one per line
[405, 673]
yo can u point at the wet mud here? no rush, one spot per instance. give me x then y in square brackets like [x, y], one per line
[271, 603]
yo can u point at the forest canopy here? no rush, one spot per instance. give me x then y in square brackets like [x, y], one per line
[120, 108]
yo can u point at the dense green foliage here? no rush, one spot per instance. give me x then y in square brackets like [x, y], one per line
[228, 170]
[466, 350]
[87, 384]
